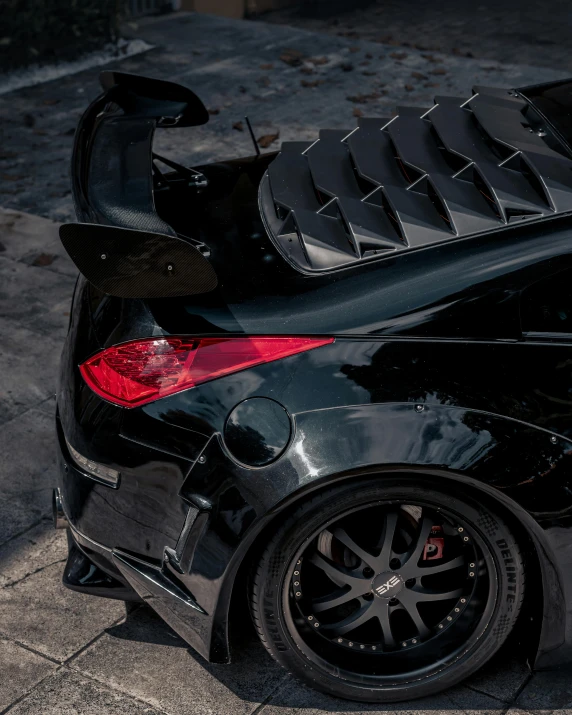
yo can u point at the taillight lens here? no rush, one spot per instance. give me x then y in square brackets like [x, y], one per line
[141, 371]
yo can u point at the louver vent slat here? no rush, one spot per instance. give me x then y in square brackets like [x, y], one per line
[463, 167]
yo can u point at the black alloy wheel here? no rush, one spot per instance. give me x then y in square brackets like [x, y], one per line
[386, 590]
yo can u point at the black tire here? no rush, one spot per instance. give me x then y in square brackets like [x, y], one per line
[486, 572]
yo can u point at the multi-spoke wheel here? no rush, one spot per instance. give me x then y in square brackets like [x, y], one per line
[388, 590]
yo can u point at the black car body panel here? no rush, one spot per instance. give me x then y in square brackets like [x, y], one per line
[438, 369]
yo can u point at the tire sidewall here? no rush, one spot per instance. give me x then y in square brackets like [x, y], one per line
[501, 553]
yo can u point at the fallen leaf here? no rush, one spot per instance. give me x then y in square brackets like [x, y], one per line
[13, 177]
[50, 102]
[347, 66]
[438, 70]
[357, 112]
[213, 110]
[267, 66]
[319, 60]
[419, 75]
[461, 53]
[239, 126]
[292, 57]
[267, 139]
[306, 70]
[368, 56]
[363, 98]
[43, 259]
[398, 55]
[409, 87]
[430, 58]
[431, 84]
[311, 82]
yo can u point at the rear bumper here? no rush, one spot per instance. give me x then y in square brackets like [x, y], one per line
[114, 570]
[89, 569]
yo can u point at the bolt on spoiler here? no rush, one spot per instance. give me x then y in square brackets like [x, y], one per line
[121, 244]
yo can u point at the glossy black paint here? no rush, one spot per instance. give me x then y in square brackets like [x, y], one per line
[83, 575]
[430, 374]
[257, 431]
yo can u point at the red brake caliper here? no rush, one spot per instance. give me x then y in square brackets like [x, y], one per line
[434, 545]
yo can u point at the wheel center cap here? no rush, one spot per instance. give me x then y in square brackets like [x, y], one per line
[387, 584]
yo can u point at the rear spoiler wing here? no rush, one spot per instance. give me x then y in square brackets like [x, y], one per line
[112, 187]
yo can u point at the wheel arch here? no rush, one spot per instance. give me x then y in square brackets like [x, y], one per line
[541, 623]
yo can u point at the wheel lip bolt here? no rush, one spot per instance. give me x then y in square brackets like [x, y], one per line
[414, 640]
[463, 600]
[296, 583]
[440, 625]
[404, 643]
[362, 646]
[449, 618]
[471, 566]
[316, 624]
[310, 618]
[460, 529]
[457, 610]
[298, 593]
[471, 573]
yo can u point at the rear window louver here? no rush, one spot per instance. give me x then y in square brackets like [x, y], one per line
[460, 168]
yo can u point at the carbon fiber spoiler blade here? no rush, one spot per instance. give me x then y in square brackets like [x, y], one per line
[122, 245]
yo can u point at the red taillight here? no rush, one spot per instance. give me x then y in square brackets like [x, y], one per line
[145, 370]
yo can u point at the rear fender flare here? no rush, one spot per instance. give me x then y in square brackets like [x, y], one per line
[514, 463]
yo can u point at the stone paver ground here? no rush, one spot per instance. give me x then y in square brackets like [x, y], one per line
[60, 651]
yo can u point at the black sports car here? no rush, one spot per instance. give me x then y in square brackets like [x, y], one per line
[332, 385]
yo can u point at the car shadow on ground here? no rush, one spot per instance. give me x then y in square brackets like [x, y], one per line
[254, 677]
